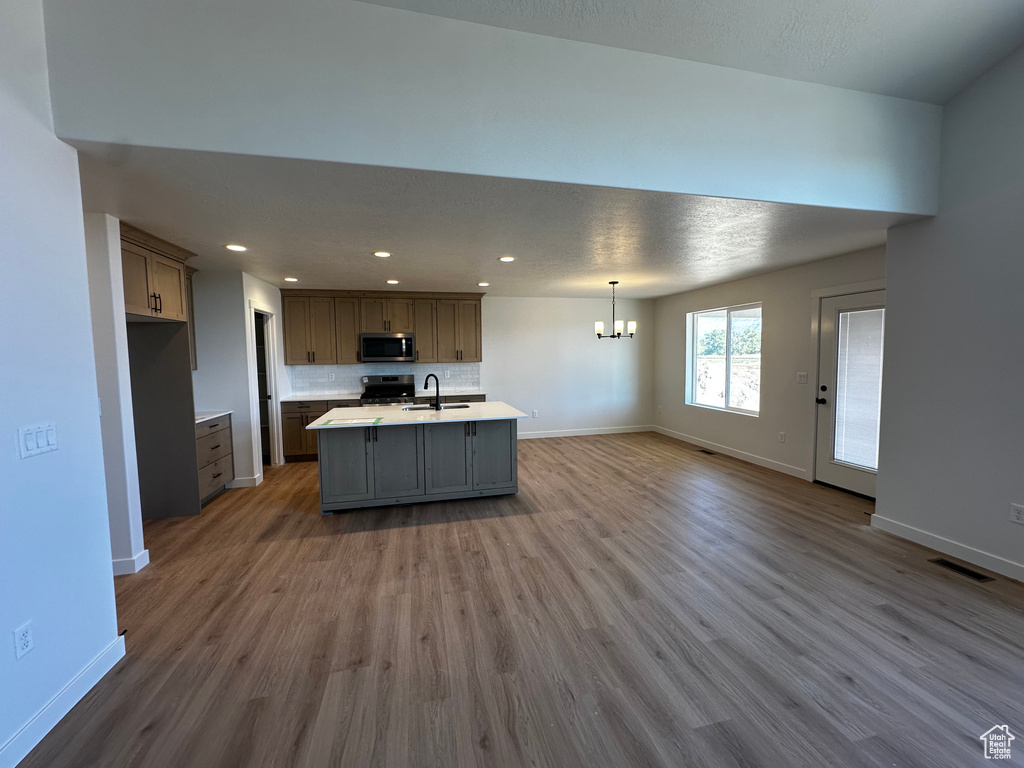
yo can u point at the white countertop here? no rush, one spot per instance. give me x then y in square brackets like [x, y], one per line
[391, 415]
[207, 415]
[355, 395]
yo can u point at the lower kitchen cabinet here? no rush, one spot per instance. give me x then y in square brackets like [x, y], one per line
[406, 463]
[295, 417]
[214, 456]
[346, 465]
[448, 454]
[398, 461]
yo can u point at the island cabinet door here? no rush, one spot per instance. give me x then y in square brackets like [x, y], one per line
[448, 452]
[346, 465]
[397, 461]
[494, 454]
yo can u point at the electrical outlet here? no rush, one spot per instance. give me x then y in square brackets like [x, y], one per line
[782, 437]
[801, 378]
[1017, 513]
[535, 414]
[447, 374]
[330, 377]
[23, 642]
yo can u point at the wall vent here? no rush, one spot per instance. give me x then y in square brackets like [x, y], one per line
[961, 569]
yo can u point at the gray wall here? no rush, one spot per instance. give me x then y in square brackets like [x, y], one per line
[952, 443]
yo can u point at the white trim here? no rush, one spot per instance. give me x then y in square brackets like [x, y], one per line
[274, 409]
[778, 466]
[576, 432]
[247, 482]
[949, 547]
[30, 734]
[128, 565]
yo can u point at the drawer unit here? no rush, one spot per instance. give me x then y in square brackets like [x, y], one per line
[215, 476]
[210, 426]
[213, 447]
[305, 406]
[213, 455]
[343, 404]
[463, 398]
[300, 443]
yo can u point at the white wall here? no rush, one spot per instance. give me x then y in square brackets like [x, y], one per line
[54, 537]
[542, 354]
[263, 296]
[117, 420]
[224, 354]
[382, 86]
[786, 349]
[952, 451]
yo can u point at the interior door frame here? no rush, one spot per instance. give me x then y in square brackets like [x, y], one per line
[274, 409]
[817, 296]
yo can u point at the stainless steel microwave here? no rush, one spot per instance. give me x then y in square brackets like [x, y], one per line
[387, 348]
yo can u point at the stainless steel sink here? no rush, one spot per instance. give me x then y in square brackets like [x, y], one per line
[445, 407]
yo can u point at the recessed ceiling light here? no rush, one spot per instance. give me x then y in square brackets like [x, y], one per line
[392, 282]
[235, 247]
[507, 259]
[381, 254]
[483, 285]
[291, 279]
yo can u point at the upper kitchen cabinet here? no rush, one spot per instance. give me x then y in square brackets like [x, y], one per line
[310, 336]
[459, 331]
[153, 272]
[425, 329]
[346, 312]
[386, 315]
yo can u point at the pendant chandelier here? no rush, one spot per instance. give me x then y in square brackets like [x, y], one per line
[619, 328]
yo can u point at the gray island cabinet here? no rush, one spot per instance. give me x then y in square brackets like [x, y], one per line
[376, 456]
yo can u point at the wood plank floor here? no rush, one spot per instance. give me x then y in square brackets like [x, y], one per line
[639, 603]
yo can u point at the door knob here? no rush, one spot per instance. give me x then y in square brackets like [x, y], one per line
[820, 400]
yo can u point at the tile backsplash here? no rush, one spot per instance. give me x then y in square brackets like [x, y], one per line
[316, 379]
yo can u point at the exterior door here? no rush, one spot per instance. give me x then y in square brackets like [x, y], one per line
[850, 345]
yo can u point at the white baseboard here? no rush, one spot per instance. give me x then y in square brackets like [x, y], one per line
[949, 547]
[575, 432]
[127, 565]
[751, 458]
[25, 740]
[245, 482]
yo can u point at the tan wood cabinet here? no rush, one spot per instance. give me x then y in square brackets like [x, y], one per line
[323, 327]
[310, 337]
[295, 417]
[154, 285]
[425, 330]
[386, 315]
[346, 313]
[459, 331]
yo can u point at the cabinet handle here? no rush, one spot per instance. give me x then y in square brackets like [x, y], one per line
[151, 301]
[214, 425]
[160, 303]
[214, 448]
[417, 355]
[367, 434]
[474, 429]
[313, 353]
[467, 429]
[217, 475]
[375, 434]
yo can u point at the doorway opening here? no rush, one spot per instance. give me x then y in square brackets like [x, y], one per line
[851, 341]
[262, 384]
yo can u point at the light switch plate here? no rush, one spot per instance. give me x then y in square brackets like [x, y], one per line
[33, 441]
[801, 378]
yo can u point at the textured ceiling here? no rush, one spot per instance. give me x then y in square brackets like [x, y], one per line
[925, 50]
[321, 222]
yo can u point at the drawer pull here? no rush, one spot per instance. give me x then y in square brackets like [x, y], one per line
[214, 448]
[217, 475]
[214, 425]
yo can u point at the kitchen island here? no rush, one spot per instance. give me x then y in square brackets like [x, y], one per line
[374, 456]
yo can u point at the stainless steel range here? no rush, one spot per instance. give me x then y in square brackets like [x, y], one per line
[386, 390]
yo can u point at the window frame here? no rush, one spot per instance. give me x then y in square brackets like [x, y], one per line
[691, 357]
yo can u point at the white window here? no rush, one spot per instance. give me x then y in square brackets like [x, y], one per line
[724, 358]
